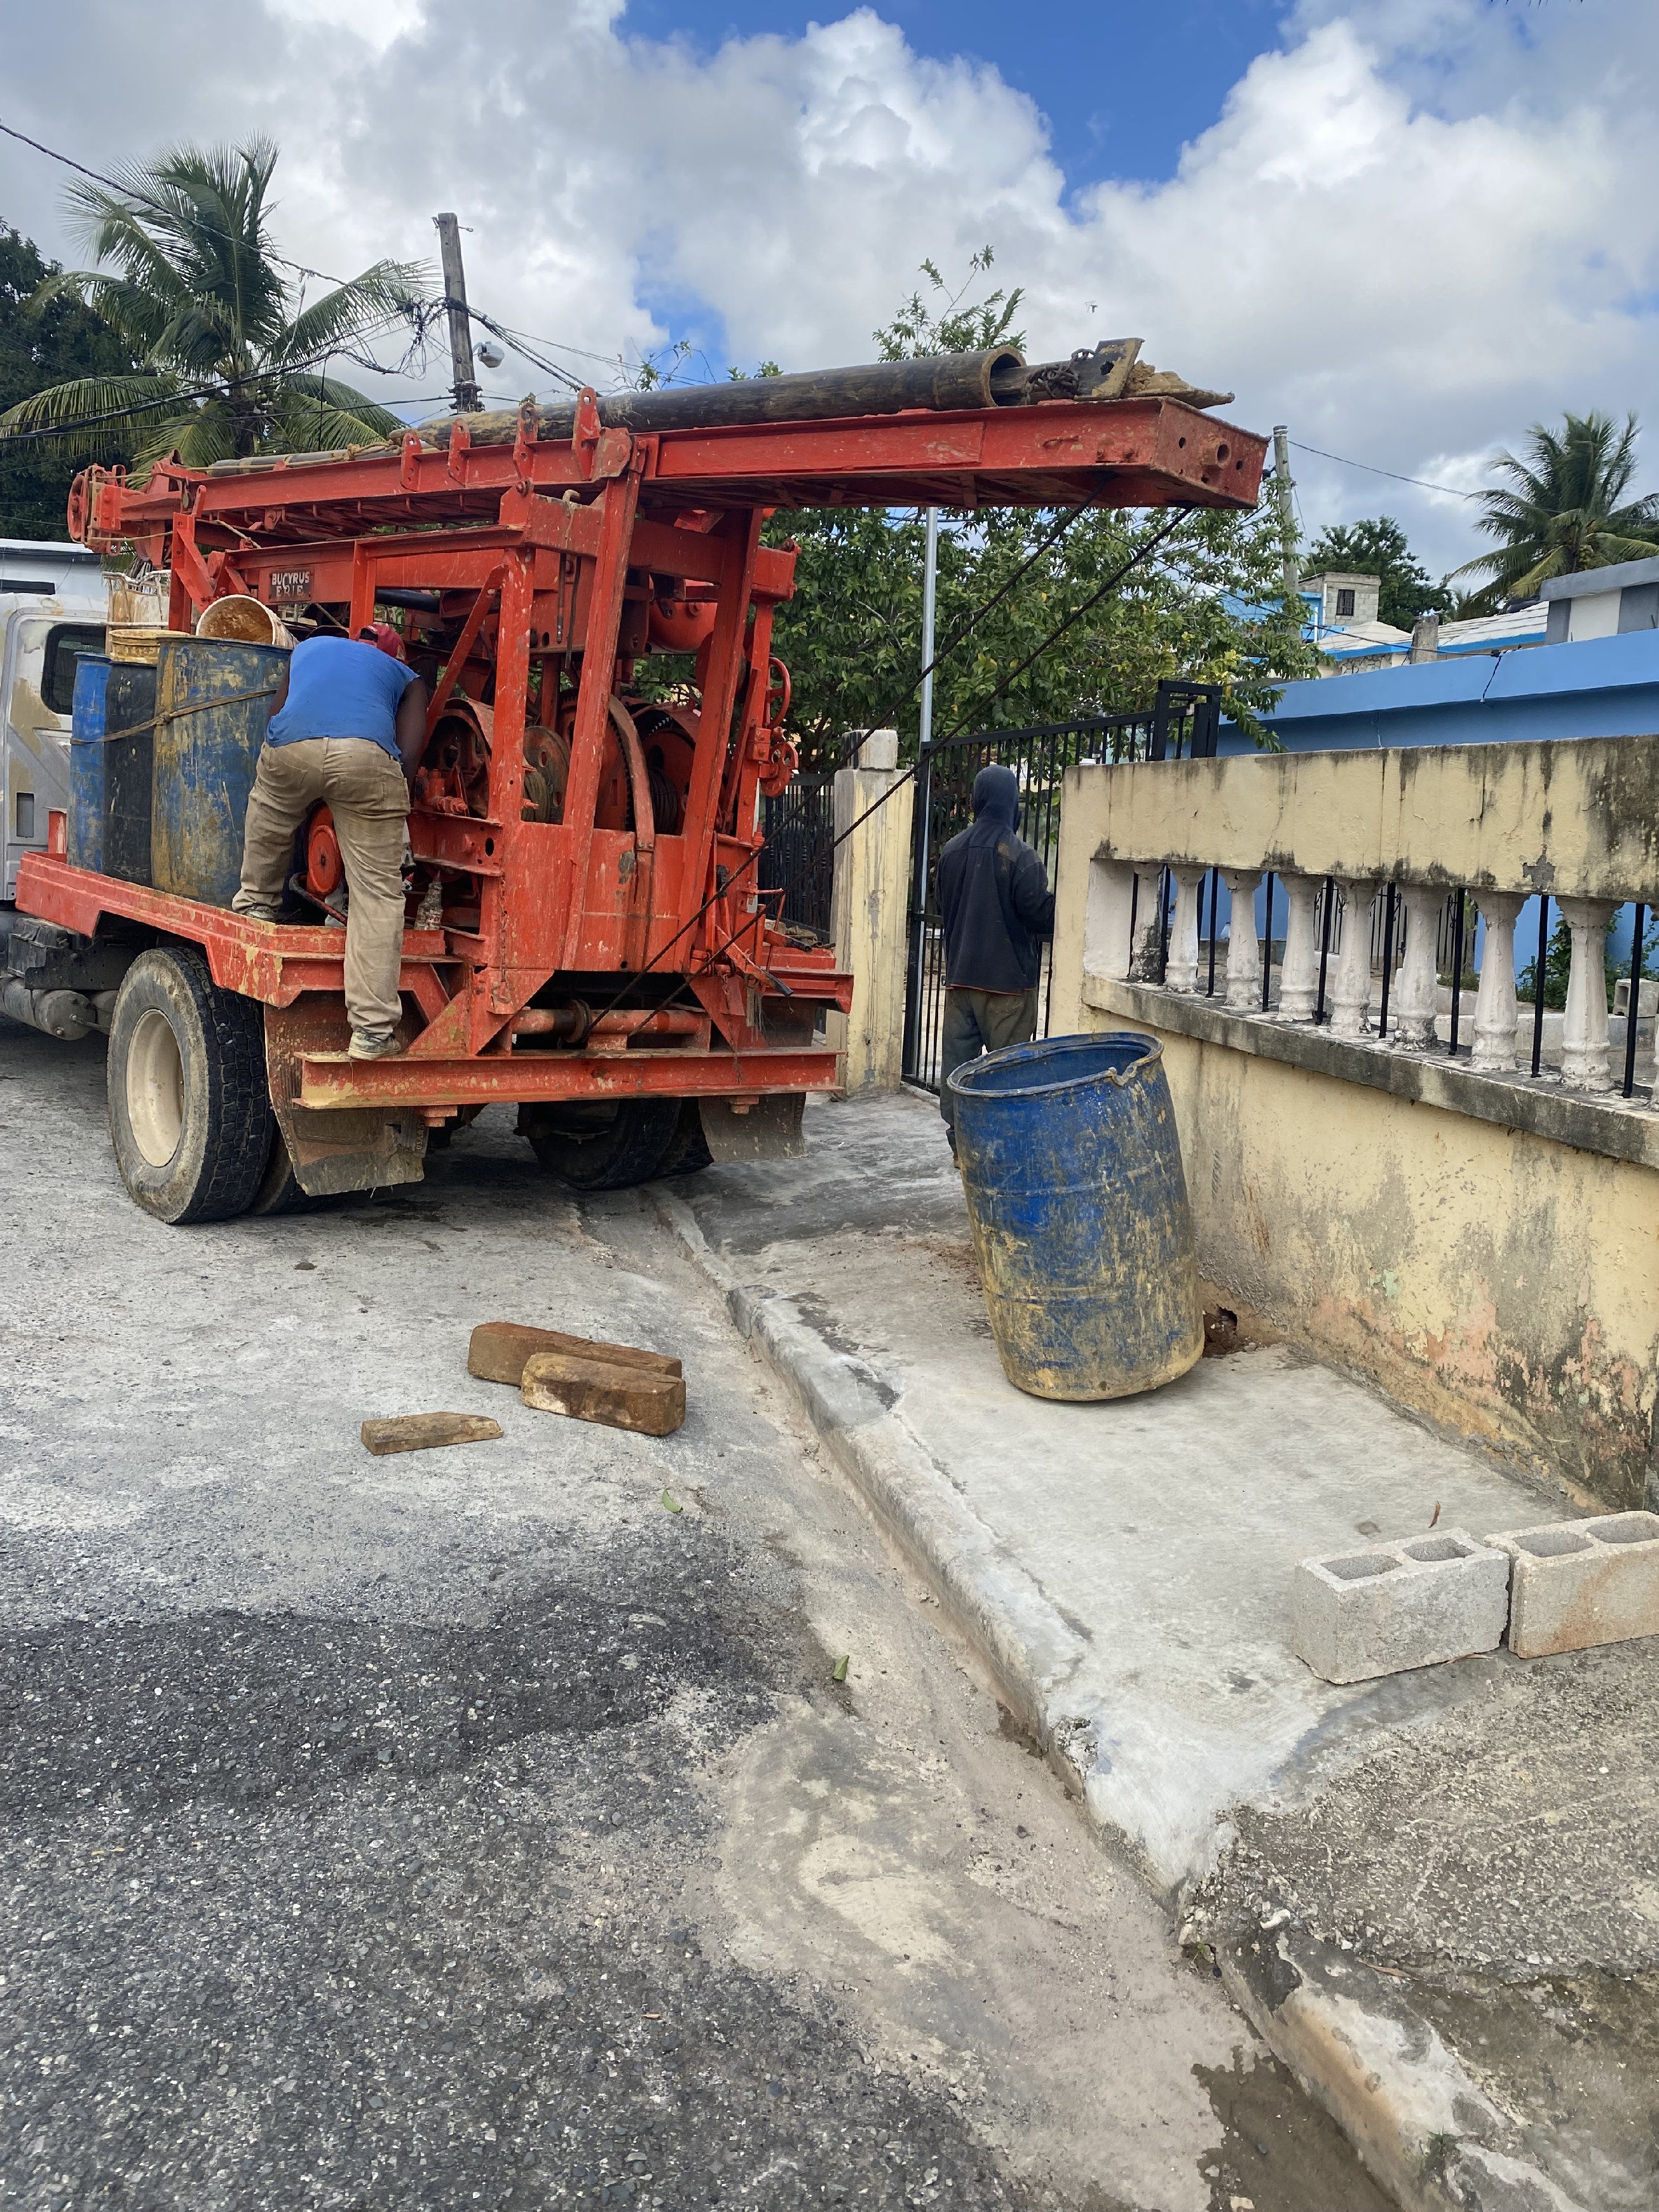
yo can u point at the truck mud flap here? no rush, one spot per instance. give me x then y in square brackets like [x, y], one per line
[770, 1129]
[335, 1150]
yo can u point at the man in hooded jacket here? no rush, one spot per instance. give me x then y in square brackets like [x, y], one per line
[998, 909]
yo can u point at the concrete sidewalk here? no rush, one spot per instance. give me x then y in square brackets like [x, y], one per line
[1420, 1888]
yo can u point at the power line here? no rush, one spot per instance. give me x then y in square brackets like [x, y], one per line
[132, 191]
[277, 370]
[516, 339]
[1147, 546]
[1342, 461]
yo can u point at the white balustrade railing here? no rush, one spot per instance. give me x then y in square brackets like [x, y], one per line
[1323, 971]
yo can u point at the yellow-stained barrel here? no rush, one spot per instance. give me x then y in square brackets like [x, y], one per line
[213, 699]
[1078, 1203]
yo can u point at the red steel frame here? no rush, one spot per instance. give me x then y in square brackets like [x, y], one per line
[553, 539]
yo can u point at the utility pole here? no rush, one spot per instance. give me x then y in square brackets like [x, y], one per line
[468, 399]
[1283, 486]
[929, 582]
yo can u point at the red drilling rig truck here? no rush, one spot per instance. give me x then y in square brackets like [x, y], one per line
[586, 934]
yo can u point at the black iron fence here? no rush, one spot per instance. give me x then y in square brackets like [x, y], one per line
[800, 835]
[1453, 940]
[1183, 722]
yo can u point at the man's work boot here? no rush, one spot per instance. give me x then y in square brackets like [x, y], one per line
[368, 1047]
[261, 913]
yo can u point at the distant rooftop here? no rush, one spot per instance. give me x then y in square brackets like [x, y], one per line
[49, 547]
[1617, 576]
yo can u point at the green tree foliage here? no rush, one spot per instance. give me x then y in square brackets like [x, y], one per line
[1557, 964]
[62, 340]
[228, 358]
[1208, 605]
[851, 633]
[1469, 606]
[1567, 509]
[928, 325]
[1378, 548]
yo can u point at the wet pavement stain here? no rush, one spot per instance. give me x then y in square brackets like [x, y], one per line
[1279, 2151]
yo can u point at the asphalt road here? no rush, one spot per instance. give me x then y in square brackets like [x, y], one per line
[485, 1826]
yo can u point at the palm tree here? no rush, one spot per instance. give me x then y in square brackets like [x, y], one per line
[232, 362]
[1564, 513]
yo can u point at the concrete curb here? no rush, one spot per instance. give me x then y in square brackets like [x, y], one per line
[1028, 1646]
[1420, 2122]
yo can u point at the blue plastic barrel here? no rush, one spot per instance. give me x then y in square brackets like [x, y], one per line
[205, 756]
[87, 762]
[1077, 1204]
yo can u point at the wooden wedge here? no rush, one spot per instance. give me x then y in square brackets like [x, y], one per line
[423, 1431]
[601, 1390]
[499, 1349]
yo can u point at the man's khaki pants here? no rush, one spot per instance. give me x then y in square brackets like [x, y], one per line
[366, 794]
[977, 1022]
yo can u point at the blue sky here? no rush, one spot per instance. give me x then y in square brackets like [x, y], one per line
[1407, 229]
[1121, 87]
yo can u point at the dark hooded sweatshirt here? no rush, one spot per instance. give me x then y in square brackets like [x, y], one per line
[993, 895]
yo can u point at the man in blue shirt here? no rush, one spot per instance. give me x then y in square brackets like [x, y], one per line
[349, 727]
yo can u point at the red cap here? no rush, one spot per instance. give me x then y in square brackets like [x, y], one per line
[382, 635]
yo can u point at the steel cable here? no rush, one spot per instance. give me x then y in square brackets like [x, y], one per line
[1140, 554]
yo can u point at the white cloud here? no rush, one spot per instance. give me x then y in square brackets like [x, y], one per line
[1414, 228]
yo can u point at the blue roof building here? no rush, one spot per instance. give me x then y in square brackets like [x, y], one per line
[1595, 687]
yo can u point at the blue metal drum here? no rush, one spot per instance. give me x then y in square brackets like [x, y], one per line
[213, 699]
[1078, 1203]
[87, 763]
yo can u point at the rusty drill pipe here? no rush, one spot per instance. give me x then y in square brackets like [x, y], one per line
[998, 377]
[564, 1024]
[995, 377]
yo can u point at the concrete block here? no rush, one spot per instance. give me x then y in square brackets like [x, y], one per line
[402, 1432]
[499, 1349]
[1574, 1584]
[1384, 1607]
[595, 1390]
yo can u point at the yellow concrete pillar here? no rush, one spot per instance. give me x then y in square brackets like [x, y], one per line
[871, 913]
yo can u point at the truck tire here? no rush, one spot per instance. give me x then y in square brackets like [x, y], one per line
[189, 1103]
[280, 1190]
[602, 1148]
[688, 1150]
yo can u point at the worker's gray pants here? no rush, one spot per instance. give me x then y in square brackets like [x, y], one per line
[368, 798]
[977, 1022]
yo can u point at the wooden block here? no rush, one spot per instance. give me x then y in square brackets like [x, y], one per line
[600, 1390]
[498, 1349]
[422, 1431]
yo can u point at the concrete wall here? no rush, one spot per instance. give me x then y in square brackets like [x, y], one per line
[1487, 1249]
[870, 911]
[1503, 1284]
[1577, 820]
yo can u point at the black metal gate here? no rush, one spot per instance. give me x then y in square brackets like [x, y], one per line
[1183, 722]
[798, 858]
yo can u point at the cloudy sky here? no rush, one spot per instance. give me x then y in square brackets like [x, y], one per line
[1407, 229]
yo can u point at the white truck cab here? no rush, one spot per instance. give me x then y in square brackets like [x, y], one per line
[54, 602]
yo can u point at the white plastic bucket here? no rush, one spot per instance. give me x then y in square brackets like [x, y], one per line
[245, 620]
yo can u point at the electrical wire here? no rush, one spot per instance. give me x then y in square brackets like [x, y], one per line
[1141, 552]
[517, 339]
[200, 392]
[1371, 469]
[131, 192]
[851, 743]
[891, 705]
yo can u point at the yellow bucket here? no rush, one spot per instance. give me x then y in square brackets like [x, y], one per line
[139, 643]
